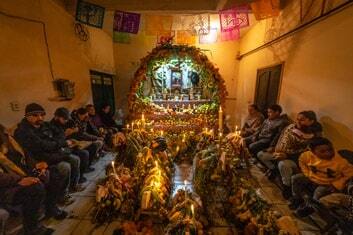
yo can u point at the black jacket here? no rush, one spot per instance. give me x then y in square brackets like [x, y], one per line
[41, 143]
[83, 133]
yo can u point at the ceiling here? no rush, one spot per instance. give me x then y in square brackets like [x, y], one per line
[169, 5]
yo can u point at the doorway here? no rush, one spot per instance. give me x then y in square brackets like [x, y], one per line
[102, 89]
[268, 83]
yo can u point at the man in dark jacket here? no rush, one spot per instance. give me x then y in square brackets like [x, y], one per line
[39, 143]
[61, 117]
[16, 188]
[77, 129]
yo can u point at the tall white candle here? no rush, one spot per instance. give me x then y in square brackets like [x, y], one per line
[220, 119]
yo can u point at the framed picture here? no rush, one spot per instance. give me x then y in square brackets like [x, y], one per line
[90, 14]
[176, 78]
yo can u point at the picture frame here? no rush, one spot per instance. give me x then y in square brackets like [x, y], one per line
[176, 79]
[90, 14]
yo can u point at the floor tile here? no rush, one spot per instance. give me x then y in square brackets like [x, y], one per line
[86, 227]
[81, 206]
[111, 227]
[65, 227]
[274, 194]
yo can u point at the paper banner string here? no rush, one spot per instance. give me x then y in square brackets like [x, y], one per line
[120, 37]
[263, 9]
[209, 38]
[233, 18]
[230, 35]
[157, 24]
[126, 22]
[185, 37]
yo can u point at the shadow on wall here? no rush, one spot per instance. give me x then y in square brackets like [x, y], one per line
[340, 134]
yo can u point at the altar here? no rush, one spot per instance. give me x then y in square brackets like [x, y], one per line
[176, 89]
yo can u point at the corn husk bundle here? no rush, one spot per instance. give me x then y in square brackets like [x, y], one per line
[115, 196]
[156, 186]
[136, 140]
[250, 210]
[182, 218]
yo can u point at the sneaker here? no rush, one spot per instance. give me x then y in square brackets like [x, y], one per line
[66, 200]
[56, 213]
[77, 188]
[287, 192]
[89, 169]
[82, 180]
[304, 211]
[294, 203]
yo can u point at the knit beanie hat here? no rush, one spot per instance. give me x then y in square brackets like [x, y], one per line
[62, 112]
[34, 108]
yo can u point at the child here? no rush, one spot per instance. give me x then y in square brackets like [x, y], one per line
[324, 172]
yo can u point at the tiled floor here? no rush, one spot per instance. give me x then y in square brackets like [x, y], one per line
[79, 220]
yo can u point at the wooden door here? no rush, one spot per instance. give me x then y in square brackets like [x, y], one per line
[102, 89]
[267, 87]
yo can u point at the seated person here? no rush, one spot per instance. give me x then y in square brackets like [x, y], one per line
[97, 127]
[61, 117]
[324, 172]
[16, 188]
[291, 143]
[77, 129]
[106, 117]
[94, 118]
[51, 180]
[252, 122]
[38, 141]
[268, 134]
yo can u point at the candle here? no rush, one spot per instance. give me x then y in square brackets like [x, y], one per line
[220, 119]
[192, 211]
[177, 149]
[113, 166]
[143, 120]
[127, 126]
[156, 163]
[132, 126]
[162, 133]
[183, 140]
[206, 130]
[185, 182]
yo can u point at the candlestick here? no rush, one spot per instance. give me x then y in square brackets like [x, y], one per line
[220, 119]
